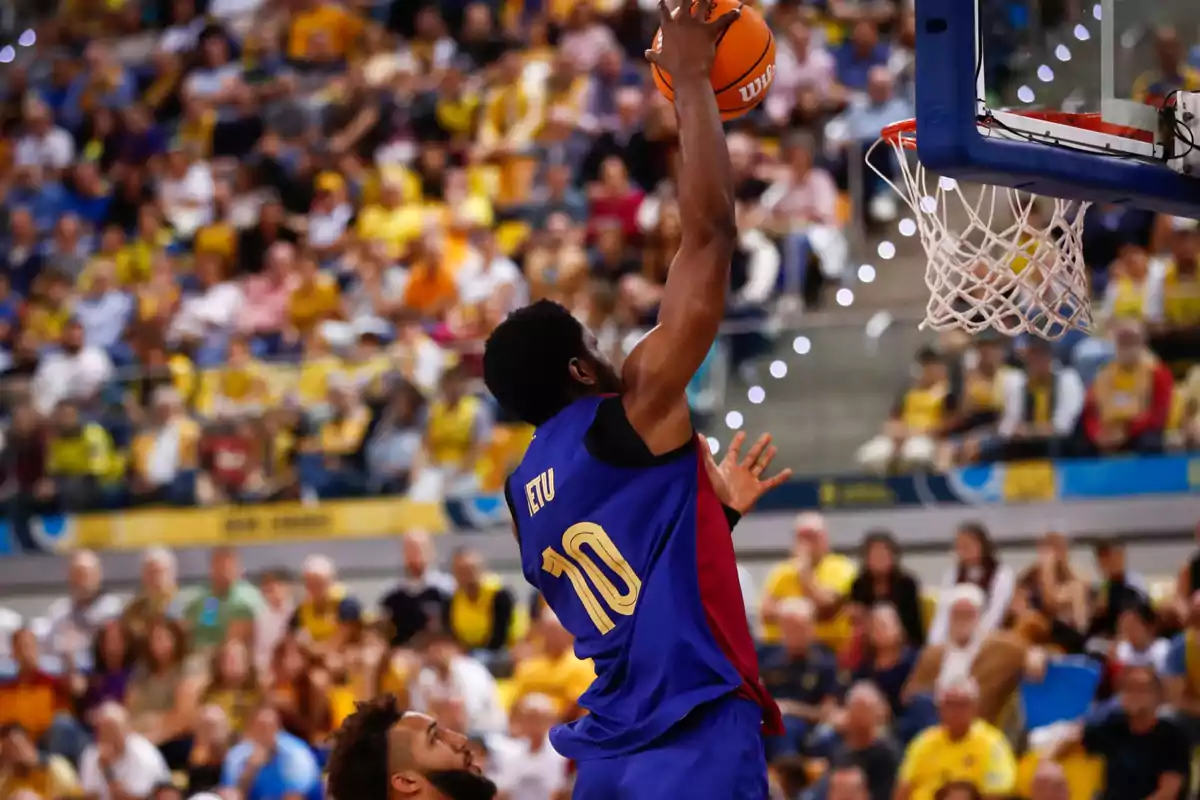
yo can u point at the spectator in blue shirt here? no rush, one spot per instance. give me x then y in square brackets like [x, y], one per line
[269, 764]
[889, 660]
[802, 676]
[89, 196]
[1181, 670]
[45, 199]
[22, 256]
[102, 82]
[858, 54]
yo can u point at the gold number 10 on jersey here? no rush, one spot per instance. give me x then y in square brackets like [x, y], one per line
[576, 563]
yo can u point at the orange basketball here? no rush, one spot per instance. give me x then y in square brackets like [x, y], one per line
[744, 67]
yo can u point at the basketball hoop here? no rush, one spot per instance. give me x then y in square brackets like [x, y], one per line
[998, 258]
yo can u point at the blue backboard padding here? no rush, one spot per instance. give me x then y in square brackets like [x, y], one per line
[949, 142]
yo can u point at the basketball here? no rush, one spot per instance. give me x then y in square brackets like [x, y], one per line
[744, 66]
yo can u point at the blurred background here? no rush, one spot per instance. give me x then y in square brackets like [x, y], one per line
[252, 249]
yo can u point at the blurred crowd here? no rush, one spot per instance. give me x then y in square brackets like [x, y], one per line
[1059, 680]
[1131, 387]
[252, 247]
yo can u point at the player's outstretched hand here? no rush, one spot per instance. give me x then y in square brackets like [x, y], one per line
[738, 481]
[689, 39]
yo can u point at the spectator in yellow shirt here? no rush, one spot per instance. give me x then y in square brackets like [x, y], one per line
[824, 578]
[49, 308]
[341, 439]
[961, 748]
[391, 221]
[512, 115]
[315, 299]
[165, 453]
[24, 773]
[322, 29]
[317, 367]
[555, 671]
[135, 261]
[483, 615]
[79, 457]
[240, 386]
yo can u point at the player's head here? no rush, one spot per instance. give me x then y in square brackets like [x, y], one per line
[541, 359]
[382, 752]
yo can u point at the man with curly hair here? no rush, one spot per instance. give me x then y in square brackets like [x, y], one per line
[382, 752]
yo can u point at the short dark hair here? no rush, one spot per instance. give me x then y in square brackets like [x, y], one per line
[358, 765]
[527, 360]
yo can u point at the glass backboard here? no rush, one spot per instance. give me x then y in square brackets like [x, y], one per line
[1112, 65]
[1121, 59]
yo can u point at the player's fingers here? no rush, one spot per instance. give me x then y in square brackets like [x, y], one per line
[702, 8]
[756, 451]
[767, 457]
[776, 480]
[735, 447]
[664, 12]
[705, 450]
[652, 56]
[725, 20]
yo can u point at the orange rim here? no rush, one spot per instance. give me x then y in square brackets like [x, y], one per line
[904, 133]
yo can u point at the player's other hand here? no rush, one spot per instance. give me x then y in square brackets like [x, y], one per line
[738, 481]
[688, 41]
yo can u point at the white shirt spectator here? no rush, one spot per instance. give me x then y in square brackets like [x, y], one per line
[814, 70]
[762, 268]
[208, 82]
[470, 680]
[1154, 656]
[233, 9]
[270, 625]
[324, 230]
[65, 376]
[182, 38]
[479, 280]
[1069, 395]
[999, 595]
[187, 201]
[163, 462]
[217, 308]
[139, 769]
[523, 774]
[54, 149]
[73, 627]
[103, 318]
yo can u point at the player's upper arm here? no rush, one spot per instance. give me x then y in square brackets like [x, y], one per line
[658, 370]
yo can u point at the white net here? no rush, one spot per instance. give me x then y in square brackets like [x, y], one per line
[998, 258]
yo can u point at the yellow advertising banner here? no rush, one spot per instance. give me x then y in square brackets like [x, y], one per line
[255, 524]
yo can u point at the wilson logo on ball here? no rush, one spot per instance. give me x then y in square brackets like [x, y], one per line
[757, 86]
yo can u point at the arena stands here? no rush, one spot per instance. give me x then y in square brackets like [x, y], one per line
[252, 249]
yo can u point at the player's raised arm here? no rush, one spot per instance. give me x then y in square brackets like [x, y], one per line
[693, 305]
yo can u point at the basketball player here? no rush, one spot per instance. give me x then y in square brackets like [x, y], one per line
[619, 520]
[381, 752]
